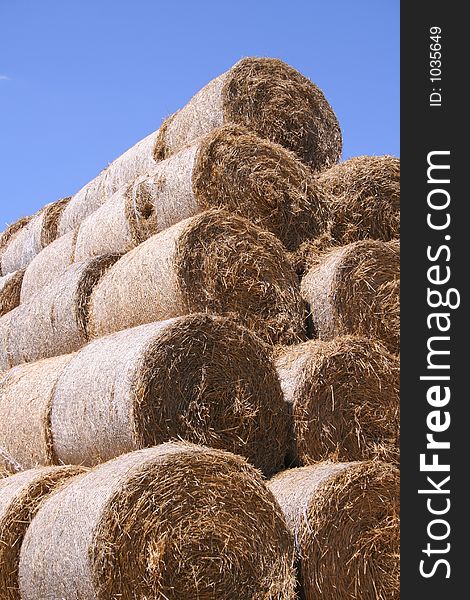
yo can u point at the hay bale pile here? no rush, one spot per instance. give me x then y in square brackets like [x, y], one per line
[219, 305]
[175, 521]
[345, 522]
[21, 496]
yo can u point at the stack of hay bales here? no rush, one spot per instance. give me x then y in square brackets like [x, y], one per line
[219, 305]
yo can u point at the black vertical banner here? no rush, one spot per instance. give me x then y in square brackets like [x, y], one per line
[434, 339]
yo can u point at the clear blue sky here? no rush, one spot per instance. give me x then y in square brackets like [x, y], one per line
[83, 80]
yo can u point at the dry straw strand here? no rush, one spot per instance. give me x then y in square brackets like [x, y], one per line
[200, 378]
[214, 262]
[134, 162]
[354, 289]
[268, 97]
[345, 521]
[344, 399]
[364, 198]
[175, 521]
[20, 497]
[10, 291]
[8, 464]
[26, 393]
[55, 320]
[35, 235]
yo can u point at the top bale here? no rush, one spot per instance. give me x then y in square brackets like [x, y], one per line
[268, 97]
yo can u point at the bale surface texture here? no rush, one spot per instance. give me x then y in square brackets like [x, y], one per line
[40, 231]
[199, 378]
[175, 521]
[48, 265]
[266, 96]
[354, 289]
[345, 521]
[214, 262]
[10, 291]
[55, 320]
[8, 234]
[344, 397]
[364, 197]
[20, 497]
[134, 162]
[26, 393]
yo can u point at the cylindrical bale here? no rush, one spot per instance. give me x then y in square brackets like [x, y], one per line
[175, 521]
[48, 265]
[345, 521]
[21, 496]
[354, 289]
[134, 162]
[214, 262]
[55, 320]
[266, 96]
[10, 291]
[39, 232]
[364, 198]
[8, 234]
[344, 398]
[200, 378]
[26, 394]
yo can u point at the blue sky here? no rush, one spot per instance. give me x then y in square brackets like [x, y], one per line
[83, 80]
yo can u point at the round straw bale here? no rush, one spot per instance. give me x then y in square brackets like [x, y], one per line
[364, 194]
[48, 265]
[10, 290]
[200, 378]
[355, 289]
[8, 234]
[345, 521]
[268, 97]
[40, 231]
[175, 521]
[26, 393]
[214, 262]
[134, 162]
[55, 320]
[21, 496]
[344, 396]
